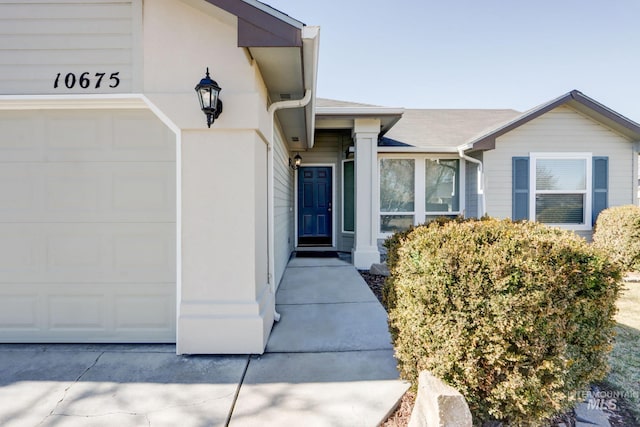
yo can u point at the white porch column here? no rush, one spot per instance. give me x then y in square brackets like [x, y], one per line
[365, 135]
[225, 304]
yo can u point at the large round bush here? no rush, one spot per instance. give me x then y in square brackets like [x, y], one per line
[618, 233]
[517, 316]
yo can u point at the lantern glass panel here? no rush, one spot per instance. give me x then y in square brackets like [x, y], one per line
[205, 96]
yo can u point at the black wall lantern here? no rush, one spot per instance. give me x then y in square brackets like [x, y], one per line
[297, 161]
[208, 93]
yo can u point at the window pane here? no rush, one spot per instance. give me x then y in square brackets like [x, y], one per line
[348, 194]
[393, 223]
[560, 208]
[397, 178]
[561, 174]
[430, 218]
[442, 184]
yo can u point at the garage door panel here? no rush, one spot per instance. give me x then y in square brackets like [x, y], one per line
[145, 253]
[133, 314]
[77, 133]
[36, 312]
[71, 188]
[19, 311]
[22, 138]
[75, 251]
[84, 136]
[62, 253]
[76, 312]
[20, 189]
[132, 136]
[140, 134]
[144, 190]
[87, 192]
[87, 227]
[21, 252]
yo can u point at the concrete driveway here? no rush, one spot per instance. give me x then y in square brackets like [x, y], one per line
[115, 385]
[329, 362]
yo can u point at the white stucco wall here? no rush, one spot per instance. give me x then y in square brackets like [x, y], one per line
[225, 305]
[180, 42]
[560, 130]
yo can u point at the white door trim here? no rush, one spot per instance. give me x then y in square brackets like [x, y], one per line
[333, 200]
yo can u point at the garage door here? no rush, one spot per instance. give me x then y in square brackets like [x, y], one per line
[87, 227]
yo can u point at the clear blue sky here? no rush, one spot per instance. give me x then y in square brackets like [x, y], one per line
[475, 53]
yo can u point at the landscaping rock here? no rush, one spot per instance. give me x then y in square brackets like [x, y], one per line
[589, 415]
[632, 277]
[379, 270]
[439, 404]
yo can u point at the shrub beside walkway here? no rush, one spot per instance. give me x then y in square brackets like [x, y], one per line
[623, 382]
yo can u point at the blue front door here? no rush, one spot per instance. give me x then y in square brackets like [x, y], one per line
[314, 205]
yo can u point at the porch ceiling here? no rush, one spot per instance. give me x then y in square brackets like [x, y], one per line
[281, 69]
[284, 72]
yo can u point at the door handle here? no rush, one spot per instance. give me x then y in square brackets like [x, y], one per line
[329, 210]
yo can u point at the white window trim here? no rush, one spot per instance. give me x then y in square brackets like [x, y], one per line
[419, 204]
[342, 201]
[533, 157]
[461, 194]
[415, 192]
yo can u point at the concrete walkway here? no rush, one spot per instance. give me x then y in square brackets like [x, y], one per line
[328, 362]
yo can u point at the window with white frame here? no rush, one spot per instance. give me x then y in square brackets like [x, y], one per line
[561, 189]
[397, 194]
[418, 189]
[442, 186]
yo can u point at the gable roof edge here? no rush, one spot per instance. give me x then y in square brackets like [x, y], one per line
[574, 98]
[260, 25]
[275, 13]
[608, 114]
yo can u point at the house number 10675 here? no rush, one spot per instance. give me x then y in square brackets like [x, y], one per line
[86, 80]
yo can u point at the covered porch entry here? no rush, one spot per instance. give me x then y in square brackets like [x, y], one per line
[336, 194]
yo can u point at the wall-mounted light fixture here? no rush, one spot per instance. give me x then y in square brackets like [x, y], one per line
[350, 152]
[208, 94]
[295, 163]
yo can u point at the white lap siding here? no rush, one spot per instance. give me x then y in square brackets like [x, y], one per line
[283, 207]
[560, 130]
[41, 41]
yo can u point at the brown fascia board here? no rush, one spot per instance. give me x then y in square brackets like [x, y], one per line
[488, 142]
[257, 28]
[631, 128]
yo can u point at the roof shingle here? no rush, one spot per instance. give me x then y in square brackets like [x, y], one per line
[434, 128]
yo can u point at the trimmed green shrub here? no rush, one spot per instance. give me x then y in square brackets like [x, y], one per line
[517, 316]
[618, 233]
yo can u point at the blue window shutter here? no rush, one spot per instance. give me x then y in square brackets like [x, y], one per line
[520, 185]
[599, 199]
